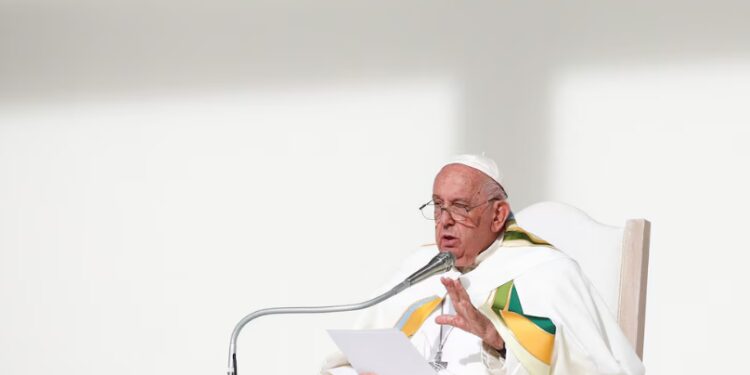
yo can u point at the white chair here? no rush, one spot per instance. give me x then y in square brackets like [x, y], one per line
[615, 259]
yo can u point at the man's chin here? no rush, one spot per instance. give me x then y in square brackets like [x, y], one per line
[460, 263]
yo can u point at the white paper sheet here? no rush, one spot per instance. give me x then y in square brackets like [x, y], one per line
[381, 351]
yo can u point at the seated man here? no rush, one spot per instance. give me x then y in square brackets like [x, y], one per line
[513, 304]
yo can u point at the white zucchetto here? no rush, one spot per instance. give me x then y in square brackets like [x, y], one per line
[480, 163]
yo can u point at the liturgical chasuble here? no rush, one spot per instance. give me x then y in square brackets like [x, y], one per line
[552, 319]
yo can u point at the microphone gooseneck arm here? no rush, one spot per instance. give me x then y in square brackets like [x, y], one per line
[439, 264]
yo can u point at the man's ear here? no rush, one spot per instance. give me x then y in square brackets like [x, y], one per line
[500, 213]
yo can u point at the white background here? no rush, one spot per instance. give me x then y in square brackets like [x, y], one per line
[167, 167]
[135, 234]
[673, 150]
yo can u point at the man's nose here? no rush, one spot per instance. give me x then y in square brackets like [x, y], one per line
[445, 218]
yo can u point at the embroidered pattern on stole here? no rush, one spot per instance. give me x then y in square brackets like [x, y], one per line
[535, 334]
[530, 338]
[416, 314]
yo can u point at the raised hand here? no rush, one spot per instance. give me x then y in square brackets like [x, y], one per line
[467, 317]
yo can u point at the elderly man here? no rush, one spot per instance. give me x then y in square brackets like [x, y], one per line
[513, 305]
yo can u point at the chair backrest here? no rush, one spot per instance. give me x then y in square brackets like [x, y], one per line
[615, 259]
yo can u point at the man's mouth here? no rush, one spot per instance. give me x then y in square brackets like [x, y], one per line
[448, 241]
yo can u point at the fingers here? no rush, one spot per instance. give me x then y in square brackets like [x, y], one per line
[467, 316]
[452, 320]
[461, 291]
[453, 286]
[448, 284]
[459, 297]
[455, 289]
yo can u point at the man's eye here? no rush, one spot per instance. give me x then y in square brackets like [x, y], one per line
[461, 206]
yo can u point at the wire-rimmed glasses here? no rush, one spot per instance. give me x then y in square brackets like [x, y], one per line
[458, 211]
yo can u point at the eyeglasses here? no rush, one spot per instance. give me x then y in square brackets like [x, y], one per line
[458, 211]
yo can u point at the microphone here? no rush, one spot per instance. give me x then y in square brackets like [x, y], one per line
[438, 264]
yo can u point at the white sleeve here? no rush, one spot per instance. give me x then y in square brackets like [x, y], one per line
[345, 370]
[588, 338]
[337, 364]
[493, 362]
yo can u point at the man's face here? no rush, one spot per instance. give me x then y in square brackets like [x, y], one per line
[459, 185]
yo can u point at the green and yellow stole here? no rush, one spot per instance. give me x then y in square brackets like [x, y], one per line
[530, 338]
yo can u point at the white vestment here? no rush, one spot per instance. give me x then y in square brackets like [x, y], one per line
[548, 284]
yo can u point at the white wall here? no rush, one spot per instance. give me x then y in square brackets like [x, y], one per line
[667, 142]
[136, 233]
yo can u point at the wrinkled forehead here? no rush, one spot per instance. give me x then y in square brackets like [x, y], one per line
[457, 181]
